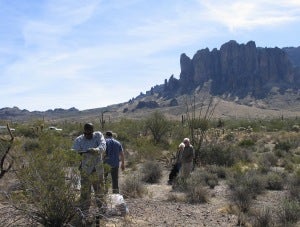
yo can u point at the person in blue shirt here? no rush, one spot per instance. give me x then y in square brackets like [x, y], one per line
[91, 146]
[114, 152]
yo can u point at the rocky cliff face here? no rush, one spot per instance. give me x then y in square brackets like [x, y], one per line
[237, 69]
[294, 54]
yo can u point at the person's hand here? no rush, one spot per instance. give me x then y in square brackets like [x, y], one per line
[122, 166]
[93, 150]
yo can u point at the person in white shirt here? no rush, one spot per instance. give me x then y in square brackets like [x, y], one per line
[91, 146]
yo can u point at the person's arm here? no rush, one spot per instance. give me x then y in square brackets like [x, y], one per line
[77, 146]
[102, 143]
[122, 156]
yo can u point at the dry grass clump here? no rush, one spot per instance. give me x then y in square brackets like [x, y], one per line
[195, 186]
[245, 186]
[197, 194]
[263, 218]
[176, 197]
[205, 177]
[133, 187]
[275, 181]
[151, 172]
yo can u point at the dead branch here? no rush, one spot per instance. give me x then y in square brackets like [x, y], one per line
[5, 154]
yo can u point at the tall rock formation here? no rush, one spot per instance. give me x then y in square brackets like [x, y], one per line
[237, 69]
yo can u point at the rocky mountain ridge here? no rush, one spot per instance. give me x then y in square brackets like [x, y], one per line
[237, 70]
[246, 75]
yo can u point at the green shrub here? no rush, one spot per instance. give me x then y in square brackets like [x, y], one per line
[266, 161]
[48, 198]
[280, 153]
[220, 171]
[26, 131]
[289, 167]
[158, 125]
[255, 181]
[151, 172]
[246, 143]
[217, 154]
[283, 145]
[31, 145]
[275, 181]
[294, 186]
[205, 177]
[146, 149]
[289, 212]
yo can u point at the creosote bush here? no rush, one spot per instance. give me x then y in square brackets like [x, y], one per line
[45, 197]
[48, 198]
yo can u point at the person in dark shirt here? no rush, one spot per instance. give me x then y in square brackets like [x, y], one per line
[176, 167]
[114, 152]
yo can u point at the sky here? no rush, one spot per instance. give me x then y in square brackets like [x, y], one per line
[94, 53]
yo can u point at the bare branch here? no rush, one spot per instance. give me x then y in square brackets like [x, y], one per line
[5, 154]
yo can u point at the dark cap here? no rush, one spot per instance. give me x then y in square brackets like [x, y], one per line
[88, 127]
[108, 133]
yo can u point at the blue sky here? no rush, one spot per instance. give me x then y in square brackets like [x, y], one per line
[93, 53]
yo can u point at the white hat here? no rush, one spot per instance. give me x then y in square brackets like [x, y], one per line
[181, 145]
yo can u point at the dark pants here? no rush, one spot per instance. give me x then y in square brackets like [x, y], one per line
[174, 172]
[114, 171]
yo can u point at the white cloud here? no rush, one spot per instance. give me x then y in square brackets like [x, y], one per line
[247, 15]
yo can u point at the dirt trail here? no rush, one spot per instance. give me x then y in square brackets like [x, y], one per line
[156, 209]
